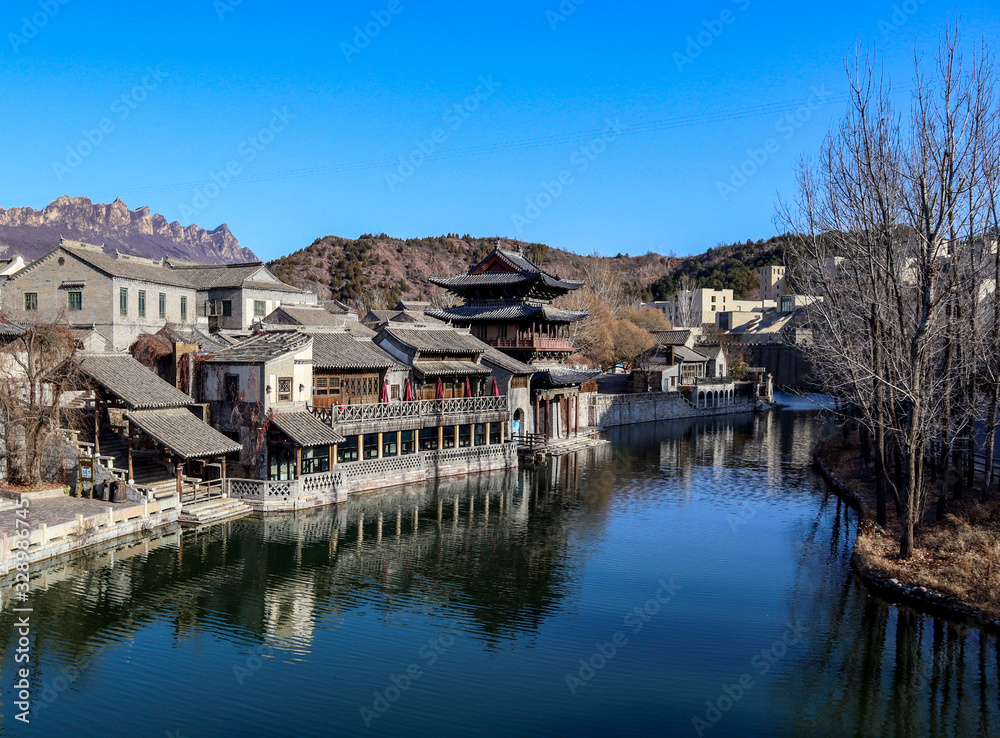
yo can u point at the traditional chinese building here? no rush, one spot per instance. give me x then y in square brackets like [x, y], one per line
[507, 303]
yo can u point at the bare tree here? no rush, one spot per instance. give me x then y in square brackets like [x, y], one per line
[889, 221]
[37, 369]
[685, 314]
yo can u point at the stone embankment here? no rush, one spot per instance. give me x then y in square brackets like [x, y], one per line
[892, 589]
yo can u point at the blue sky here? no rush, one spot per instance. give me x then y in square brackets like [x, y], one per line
[596, 125]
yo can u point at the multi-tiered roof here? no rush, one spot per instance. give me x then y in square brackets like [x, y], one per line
[508, 303]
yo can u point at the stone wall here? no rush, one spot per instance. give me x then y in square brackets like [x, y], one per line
[608, 411]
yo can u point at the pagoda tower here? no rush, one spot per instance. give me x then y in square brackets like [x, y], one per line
[507, 303]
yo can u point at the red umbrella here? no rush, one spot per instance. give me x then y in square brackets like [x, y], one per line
[495, 390]
[468, 388]
[408, 393]
[440, 390]
[385, 392]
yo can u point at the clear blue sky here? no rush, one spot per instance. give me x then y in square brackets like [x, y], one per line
[548, 83]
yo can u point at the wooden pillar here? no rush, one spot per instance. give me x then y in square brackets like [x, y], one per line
[178, 466]
[578, 414]
[399, 443]
[361, 447]
[440, 437]
[379, 445]
[487, 433]
[456, 437]
[131, 474]
[97, 426]
[333, 455]
[298, 462]
[503, 431]
[222, 460]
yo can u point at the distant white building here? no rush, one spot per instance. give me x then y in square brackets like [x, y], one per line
[694, 308]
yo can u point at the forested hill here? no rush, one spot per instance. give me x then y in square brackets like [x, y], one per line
[378, 270]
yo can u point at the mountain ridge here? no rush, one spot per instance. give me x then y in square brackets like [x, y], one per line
[139, 232]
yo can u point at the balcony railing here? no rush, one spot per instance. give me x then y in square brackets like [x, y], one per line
[415, 409]
[538, 343]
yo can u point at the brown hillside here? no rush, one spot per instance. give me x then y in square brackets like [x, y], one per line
[374, 271]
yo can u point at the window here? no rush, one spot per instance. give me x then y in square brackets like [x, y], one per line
[76, 301]
[519, 383]
[388, 445]
[227, 308]
[123, 301]
[464, 436]
[495, 434]
[31, 301]
[184, 309]
[371, 446]
[259, 308]
[449, 437]
[315, 459]
[428, 439]
[348, 450]
[407, 444]
[480, 434]
[163, 306]
[142, 303]
[394, 392]
[284, 389]
[231, 387]
[321, 386]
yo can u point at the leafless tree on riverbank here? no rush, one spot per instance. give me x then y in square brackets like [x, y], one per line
[893, 224]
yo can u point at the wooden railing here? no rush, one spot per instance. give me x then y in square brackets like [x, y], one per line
[530, 441]
[531, 342]
[415, 409]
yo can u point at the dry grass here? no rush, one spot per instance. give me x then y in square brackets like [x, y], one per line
[957, 556]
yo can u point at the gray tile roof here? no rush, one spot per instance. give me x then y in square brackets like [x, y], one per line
[131, 382]
[344, 351]
[336, 307]
[219, 276]
[499, 359]
[140, 270]
[261, 348]
[688, 355]
[435, 369]
[672, 338]
[488, 311]
[435, 340]
[182, 432]
[524, 271]
[305, 429]
[9, 329]
[564, 376]
[272, 287]
[304, 315]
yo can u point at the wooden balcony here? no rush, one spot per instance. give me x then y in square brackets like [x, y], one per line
[415, 409]
[531, 343]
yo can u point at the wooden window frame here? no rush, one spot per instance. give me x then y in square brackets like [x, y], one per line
[70, 301]
[284, 396]
[30, 302]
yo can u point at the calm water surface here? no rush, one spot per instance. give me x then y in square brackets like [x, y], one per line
[692, 577]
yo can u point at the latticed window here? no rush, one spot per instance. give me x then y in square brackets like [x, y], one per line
[31, 301]
[184, 309]
[259, 308]
[480, 434]
[284, 389]
[142, 303]
[76, 301]
[163, 305]
[123, 301]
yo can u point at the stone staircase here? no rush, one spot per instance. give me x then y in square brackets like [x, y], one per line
[213, 511]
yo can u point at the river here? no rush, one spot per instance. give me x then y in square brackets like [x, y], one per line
[692, 578]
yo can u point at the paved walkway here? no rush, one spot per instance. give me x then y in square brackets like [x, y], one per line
[55, 510]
